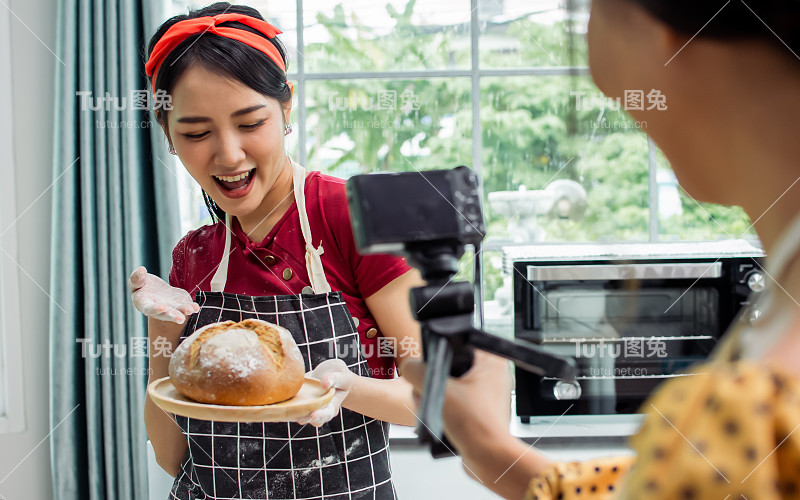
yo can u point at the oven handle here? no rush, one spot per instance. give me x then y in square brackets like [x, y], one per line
[687, 270]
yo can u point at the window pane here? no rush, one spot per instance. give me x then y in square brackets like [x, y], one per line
[373, 125]
[532, 33]
[394, 35]
[498, 298]
[680, 217]
[193, 211]
[566, 146]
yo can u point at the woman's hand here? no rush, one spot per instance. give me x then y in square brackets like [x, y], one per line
[332, 373]
[476, 417]
[156, 299]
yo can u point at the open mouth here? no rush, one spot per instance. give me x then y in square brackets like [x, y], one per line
[236, 182]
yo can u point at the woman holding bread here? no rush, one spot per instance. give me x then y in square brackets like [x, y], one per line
[282, 251]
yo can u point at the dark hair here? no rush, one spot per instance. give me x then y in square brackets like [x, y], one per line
[735, 20]
[224, 56]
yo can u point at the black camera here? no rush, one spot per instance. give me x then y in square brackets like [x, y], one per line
[394, 211]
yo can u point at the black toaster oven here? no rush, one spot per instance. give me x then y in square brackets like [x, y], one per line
[631, 315]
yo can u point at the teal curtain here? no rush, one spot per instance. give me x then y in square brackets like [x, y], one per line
[114, 208]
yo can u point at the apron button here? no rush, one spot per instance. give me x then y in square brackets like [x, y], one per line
[287, 274]
[270, 260]
[372, 333]
[355, 321]
[308, 290]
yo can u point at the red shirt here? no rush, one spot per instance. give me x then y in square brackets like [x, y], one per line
[261, 268]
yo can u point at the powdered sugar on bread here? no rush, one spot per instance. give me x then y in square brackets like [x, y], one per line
[251, 362]
[237, 349]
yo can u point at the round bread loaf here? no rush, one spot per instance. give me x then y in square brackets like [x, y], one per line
[251, 362]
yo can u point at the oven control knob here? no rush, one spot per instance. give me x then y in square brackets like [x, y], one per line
[563, 390]
[756, 282]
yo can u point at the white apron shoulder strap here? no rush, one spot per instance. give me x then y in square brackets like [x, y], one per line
[313, 261]
[221, 275]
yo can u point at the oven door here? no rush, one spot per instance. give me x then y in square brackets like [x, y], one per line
[629, 327]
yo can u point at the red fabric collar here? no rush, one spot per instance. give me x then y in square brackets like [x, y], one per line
[249, 245]
[181, 30]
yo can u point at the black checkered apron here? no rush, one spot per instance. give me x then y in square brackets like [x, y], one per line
[346, 458]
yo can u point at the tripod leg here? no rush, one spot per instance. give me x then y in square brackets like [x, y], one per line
[439, 354]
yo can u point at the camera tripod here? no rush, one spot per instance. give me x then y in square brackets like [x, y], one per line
[445, 310]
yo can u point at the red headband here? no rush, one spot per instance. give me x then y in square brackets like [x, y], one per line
[181, 30]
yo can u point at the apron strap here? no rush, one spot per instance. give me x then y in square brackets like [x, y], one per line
[316, 273]
[221, 275]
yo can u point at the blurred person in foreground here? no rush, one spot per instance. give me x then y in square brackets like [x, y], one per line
[731, 135]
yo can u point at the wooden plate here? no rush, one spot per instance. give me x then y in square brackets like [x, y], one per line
[310, 397]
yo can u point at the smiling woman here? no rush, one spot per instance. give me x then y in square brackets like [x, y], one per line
[280, 249]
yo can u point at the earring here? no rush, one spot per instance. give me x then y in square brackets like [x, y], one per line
[172, 150]
[287, 129]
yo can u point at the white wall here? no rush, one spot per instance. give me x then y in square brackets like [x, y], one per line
[33, 74]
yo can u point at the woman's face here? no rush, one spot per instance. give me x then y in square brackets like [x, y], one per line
[229, 137]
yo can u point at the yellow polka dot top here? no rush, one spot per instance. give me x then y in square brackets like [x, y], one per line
[730, 432]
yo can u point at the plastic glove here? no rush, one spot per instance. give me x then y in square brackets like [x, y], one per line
[332, 373]
[156, 299]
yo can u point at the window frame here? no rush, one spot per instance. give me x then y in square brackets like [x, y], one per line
[12, 402]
